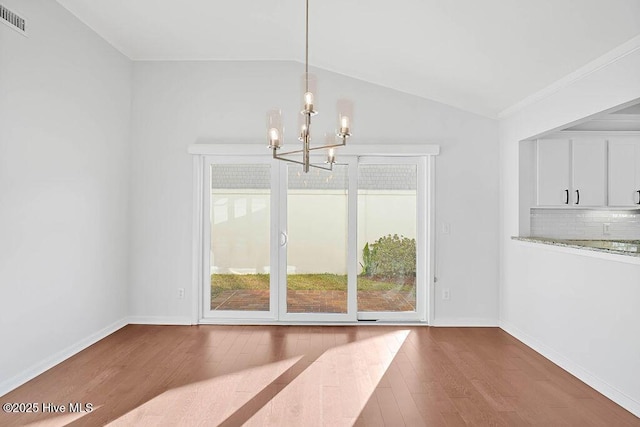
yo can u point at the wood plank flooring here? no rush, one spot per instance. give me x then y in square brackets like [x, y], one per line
[312, 375]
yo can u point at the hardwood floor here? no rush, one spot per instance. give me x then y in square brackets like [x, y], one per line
[312, 375]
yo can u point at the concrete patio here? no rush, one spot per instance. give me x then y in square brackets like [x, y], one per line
[314, 301]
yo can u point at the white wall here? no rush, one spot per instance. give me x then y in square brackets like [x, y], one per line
[64, 170]
[181, 103]
[579, 311]
[240, 237]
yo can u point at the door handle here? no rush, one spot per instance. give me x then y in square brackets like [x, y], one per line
[638, 197]
[283, 238]
[566, 193]
[577, 197]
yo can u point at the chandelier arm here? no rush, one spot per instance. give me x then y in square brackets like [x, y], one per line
[289, 160]
[342, 144]
[321, 167]
[311, 165]
[290, 152]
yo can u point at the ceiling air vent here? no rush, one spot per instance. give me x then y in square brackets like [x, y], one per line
[13, 20]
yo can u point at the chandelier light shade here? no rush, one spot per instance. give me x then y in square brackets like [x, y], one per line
[345, 117]
[309, 90]
[275, 128]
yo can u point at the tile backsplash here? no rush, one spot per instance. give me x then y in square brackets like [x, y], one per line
[596, 223]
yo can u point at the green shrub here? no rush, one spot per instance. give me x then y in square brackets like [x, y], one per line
[390, 256]
[368, 255]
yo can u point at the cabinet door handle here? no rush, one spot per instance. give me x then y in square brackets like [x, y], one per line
[638, 197]
[566, 200]
[577, 197]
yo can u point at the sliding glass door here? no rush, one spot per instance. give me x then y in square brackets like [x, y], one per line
[391, 238]
[339, 246]
[315, 215]
[238, 234]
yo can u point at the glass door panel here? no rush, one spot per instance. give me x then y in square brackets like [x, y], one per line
[342, 245]
[240, 221]
[387, 235]
[317, 240]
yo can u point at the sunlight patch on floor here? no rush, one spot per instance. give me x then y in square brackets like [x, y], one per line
[218, 397]
[335, 388]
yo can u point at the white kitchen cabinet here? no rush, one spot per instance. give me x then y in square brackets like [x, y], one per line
[624, 171]
[554, 172]
[589, 162]
[571, 172]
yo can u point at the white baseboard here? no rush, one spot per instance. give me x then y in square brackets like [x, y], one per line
[622, 399]
[51, 361]
[160, 320]
[462, 322]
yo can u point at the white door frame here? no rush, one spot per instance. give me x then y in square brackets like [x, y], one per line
[205, 292]
[207, 154]
[352, 257]
[423, 246]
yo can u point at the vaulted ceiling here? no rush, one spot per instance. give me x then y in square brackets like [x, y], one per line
[479, 55]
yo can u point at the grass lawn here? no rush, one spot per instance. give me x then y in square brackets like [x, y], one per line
[337, 282]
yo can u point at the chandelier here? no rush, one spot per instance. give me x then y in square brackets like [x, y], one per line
[275, 128]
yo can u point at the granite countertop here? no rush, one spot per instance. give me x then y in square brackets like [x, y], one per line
[622, 247]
